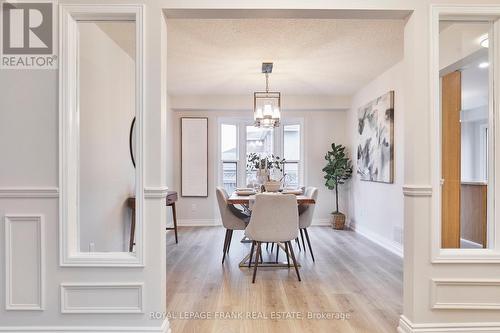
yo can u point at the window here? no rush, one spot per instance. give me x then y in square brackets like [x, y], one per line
[238, 138]
[260, 141]
[229, 156]
[291, 153]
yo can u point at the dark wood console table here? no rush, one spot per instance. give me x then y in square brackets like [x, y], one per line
[170, 200]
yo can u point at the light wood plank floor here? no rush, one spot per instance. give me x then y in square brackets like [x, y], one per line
[351, 275]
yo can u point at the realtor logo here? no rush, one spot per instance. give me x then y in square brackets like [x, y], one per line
[28, 35]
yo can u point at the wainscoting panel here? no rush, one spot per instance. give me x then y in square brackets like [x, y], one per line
[466, 294]
[29, 192]
[24, 262]
[101, 298]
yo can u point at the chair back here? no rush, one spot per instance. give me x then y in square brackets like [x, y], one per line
[274, 218]
[306, 217]
[229, 220]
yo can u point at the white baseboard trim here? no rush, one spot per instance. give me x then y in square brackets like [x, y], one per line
[321, 222]
[406, 326]
[387, 244]
[198, 222]
[164, 328]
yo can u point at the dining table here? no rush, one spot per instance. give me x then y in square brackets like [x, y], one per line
[238, 199]
[246, 201]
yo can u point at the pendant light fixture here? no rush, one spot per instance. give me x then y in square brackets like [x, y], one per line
[267, 105]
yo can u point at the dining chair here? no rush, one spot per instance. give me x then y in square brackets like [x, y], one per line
[229, 220]
[275, 218]
[306, 217]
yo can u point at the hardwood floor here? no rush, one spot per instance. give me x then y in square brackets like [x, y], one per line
[351, 277]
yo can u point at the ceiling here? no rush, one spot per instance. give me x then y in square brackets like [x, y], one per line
[475, 85]
[311, 56]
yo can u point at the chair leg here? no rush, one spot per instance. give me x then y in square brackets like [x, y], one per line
[251, 255]
[303, 243]
[225, 246]
[174, 214]
[229, 242]
[294, 261]
[272, 247]
[277, 251]
[287, 256]
[298, 243]
[256, 262]
[309, 243]
[267, 246]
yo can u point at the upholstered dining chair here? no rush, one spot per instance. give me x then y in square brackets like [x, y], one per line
[306, 217]
[275, 218]
[229, 220]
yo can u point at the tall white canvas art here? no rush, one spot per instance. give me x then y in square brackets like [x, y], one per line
[375, 161]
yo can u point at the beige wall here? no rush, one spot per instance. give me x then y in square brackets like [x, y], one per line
[321, 128]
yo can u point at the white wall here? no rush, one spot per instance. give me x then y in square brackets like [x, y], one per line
[240, 102]
[321, 128]
[377, 208]
[107, 107]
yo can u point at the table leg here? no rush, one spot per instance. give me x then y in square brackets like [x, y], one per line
[244, 261]
[132, 232]
[174, 213]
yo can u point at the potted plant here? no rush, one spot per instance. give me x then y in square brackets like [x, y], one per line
[338, 169]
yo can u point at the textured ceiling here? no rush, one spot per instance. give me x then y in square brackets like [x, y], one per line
[311, 56]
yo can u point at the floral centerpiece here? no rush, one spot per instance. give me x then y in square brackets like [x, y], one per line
[269, 169]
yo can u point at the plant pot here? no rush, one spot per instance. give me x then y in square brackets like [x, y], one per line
[272, 186]
[338, 221]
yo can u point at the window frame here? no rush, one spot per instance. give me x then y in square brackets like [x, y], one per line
[301, 161]
[278, 146]
[221, 161]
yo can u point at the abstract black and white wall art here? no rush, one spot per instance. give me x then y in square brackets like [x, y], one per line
[376, 140]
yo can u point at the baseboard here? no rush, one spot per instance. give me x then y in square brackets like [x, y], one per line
[321, 222]
[164, 328]
[198, 222]
[406, 326]
[387, 244]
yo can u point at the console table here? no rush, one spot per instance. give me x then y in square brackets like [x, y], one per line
[170, 200]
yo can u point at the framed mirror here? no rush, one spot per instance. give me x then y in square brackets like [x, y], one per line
[101, 136]
[467, 118]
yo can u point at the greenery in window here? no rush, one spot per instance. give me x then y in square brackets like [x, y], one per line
[257, 162]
